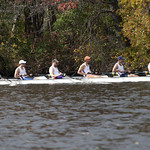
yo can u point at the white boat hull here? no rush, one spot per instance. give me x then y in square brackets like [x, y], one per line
[77, 80]
[117, 80]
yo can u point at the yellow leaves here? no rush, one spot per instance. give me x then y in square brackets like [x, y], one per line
[136, 26]
[24, 42]
[21, 41]
[14, 45]
[11, 35]
[76, 50]
[76, 59]
[2, 44]
[132, 3]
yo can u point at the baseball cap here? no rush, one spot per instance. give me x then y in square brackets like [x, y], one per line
[87, 58]
[22, 62]
[55, 60]
[120, 58]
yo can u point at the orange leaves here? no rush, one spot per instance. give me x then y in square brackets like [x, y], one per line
[61, 5]
[65, 5]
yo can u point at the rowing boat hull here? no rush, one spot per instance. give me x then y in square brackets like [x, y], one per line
[117, 80]
[45, 81]
[104, 80]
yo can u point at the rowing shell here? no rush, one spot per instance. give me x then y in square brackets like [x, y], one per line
[39, 80]
[75, 80]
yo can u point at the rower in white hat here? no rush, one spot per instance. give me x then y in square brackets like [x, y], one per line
[20, 71]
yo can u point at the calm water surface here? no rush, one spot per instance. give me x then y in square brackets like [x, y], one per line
[75, 117]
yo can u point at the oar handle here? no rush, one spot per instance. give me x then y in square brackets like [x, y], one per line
[49, 76]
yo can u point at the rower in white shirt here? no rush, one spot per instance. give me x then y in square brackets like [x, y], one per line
[53, 70]
[119, 69]
[84, 69]
[20, 71]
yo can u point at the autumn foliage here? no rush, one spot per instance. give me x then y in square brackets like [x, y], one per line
[136, 28]
[40, 30]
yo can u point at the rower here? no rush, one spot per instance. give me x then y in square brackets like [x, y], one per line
[53, 70]
[119, 69]
[84, 69]
[20, 71]
[149, 67]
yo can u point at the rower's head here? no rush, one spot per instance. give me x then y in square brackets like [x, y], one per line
[87, 59]
[120, 59]
[55, 62]
[22, 63]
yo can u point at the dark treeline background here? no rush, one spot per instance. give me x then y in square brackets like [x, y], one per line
[41, 30]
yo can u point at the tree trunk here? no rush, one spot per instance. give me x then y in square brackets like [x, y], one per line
[34, 18]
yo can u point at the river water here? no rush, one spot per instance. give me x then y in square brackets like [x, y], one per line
[75, 117]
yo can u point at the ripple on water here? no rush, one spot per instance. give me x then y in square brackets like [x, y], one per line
[43, 117]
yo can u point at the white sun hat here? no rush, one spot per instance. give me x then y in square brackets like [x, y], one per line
[22, 62]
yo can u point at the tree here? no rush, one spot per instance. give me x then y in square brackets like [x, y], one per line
[136, 29]
[40, 30]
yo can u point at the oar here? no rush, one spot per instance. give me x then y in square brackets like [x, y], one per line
[144, 73]
[111, 74]
[5, 78]
[12, 83]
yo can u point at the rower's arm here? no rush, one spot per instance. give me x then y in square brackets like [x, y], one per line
[16, 74]
[149, 67]
[82, 67]
[51, 70]
[115, 68]
[90, 71]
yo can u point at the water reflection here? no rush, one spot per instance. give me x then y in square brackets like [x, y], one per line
[102, 117]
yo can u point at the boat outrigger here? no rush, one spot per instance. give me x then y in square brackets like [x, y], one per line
[75, 80]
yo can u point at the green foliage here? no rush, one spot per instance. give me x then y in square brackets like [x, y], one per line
[93, 32]
[68, 31]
